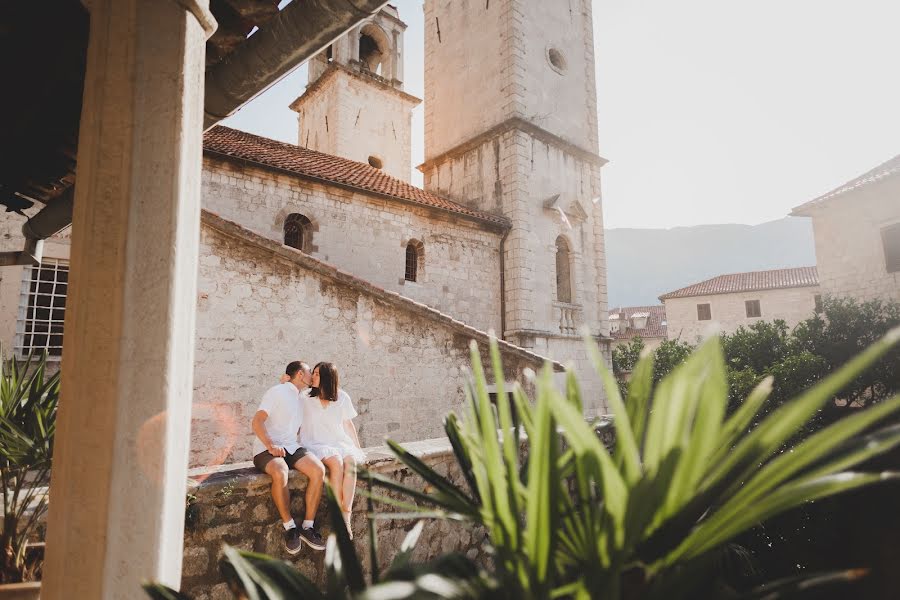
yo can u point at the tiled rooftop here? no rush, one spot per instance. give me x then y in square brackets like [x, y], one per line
[748, 282]
[325, 167]
[656, 321]
[885, 169]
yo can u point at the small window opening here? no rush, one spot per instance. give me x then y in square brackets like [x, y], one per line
[817, 299]
[298, 232]
[890, 239]
[703, 312]
[563, 271]
[752, 308]
[376, 162]
[557, 60]
[329, 54]
[413, 254]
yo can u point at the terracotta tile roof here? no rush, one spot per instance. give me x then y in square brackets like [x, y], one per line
[318, 165]
[885, 169]
[749, 282]
[656, 322]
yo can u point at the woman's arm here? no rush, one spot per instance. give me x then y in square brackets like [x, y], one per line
[350, 428]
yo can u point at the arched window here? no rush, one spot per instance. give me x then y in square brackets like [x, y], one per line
[563, 271]
[375, 50]
[414, 253]
[298, 232]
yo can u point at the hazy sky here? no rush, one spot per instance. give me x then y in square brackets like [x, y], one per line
[710, 111]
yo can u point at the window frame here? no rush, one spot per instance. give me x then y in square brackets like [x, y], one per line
[562, 246]
[412, 259]
[708, 306]
[304, 226]
[891, 261]
[757, 304]
[25, 326]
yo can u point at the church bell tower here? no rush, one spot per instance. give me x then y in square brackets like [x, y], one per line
[511, 128]
[354, 105]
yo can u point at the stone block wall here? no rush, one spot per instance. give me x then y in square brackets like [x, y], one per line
[232, 505]
[262, 305]
[367, 236]
[365, 117]
[849, 250]
[729, 311]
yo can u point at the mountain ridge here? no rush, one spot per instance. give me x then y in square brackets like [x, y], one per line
[643, 264]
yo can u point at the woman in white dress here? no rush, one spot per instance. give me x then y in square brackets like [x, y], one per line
[328, 432]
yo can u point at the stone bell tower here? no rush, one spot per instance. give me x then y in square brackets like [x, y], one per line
[511, 128]
[354, 105]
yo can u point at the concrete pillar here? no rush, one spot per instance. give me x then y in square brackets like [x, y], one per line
[118, 483]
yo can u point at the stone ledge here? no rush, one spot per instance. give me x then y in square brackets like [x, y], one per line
[378, 458]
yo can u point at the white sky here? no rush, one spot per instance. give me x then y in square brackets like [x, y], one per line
[710, 111]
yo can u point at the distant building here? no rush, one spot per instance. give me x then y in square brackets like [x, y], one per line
[724, 303]
[857, 233]
[645, 322]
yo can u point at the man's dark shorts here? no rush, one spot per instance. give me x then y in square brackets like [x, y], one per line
[262, 459]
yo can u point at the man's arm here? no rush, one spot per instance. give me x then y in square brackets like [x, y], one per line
[259, 428]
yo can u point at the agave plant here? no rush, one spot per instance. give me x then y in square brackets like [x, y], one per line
[28, 401]
[644, 520]
[572, 519]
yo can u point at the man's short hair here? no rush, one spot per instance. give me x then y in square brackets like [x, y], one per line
[295, 366]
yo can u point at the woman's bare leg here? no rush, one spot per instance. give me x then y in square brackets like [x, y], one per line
[335, 475]
[349, 491]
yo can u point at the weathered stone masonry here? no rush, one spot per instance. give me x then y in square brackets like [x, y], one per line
[367, 236]
[262, 304]
[233, 506]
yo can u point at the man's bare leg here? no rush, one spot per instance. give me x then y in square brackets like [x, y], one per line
[277, 469]
[314, 470]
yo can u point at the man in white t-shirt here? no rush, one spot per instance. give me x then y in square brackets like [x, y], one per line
[276, 451]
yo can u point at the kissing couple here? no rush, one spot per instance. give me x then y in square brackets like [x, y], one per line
[306, 423]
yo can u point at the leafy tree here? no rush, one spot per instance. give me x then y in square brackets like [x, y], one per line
[839, 331]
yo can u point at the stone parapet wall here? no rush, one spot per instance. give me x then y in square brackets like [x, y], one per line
[232, 505]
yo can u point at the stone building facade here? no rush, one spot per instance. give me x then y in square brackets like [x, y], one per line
[306, 254]
[354, 105]
[404, 364]
[524, 146]
[857, 235]
[724, 303]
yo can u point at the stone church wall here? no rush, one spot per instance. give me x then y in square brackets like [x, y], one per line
[541, 174]
[262, 305]
[367, 236]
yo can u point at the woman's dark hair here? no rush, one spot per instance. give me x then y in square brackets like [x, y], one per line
[328, 382]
